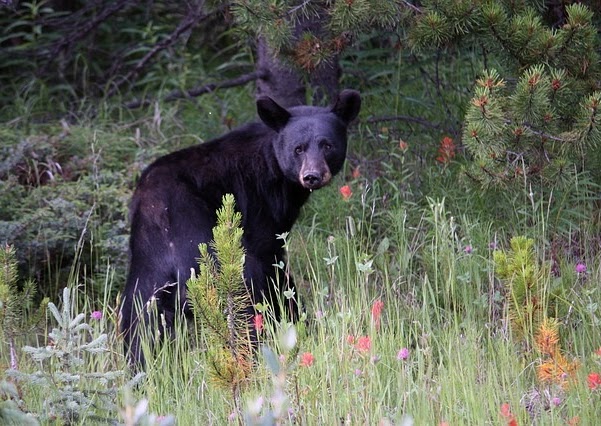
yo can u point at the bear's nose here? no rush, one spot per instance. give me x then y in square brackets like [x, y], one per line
[312, 179]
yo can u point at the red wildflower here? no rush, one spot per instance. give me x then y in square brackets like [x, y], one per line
[356, 173]
[258, 322]
[507, 414]
[598, 351]
[376, 312]
[403, 145]
[364, 344]
[346, 192]
[446, 150]
[350, 339]
[306, 359]
[594, 381]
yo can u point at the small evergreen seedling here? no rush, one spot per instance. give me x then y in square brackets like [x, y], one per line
[531, 299]
[72, 392]
[220, 300]
[15, 319]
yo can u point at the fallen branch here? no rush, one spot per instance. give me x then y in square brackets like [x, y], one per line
[201, 90]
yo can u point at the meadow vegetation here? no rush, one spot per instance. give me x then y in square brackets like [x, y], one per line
[429, 298]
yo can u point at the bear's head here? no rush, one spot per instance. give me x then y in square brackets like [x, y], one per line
[310, 146]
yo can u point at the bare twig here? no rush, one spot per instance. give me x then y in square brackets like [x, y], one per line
[410, 6]
[418, 120]
[83, 31]
[201, 90]
[544, 134]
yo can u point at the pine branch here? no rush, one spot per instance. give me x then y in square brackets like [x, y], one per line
[410, 6]
[543, 134]
[506, 45]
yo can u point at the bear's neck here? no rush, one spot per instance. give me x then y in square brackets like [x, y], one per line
[284, 196]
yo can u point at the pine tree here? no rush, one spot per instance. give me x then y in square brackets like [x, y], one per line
[534, 115]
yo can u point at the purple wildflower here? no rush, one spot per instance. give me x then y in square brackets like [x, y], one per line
[580, 268]
[403, 354]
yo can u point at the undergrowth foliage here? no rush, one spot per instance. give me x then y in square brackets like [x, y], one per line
[277, 409]
[18, 315]
[72, 392]
[12, 319]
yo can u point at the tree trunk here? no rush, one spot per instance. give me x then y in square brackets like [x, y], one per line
[284, 83]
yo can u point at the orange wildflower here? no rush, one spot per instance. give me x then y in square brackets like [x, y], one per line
[306, 359]
[508, 415]
[557, 369]
[376, 312]
[258, 322]
[594, 381]
[446, 150]
[403, 145]
[356, 173]
[364, 344]
[346, 192]
[547, 337]
[554, 367]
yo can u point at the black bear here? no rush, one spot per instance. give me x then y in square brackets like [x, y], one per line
[270, 167]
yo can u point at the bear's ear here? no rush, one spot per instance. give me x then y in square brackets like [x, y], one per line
[347, 105]
[271, 113]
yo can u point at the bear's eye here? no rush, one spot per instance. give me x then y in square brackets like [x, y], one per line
[327, 146]
[298, 150]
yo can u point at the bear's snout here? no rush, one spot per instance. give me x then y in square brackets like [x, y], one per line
[315, 179]
[311, 180]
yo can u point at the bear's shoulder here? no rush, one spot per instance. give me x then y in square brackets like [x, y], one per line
[246, 148]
